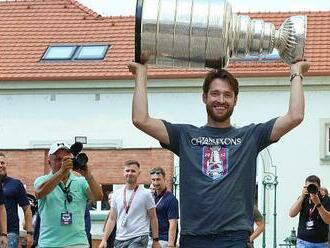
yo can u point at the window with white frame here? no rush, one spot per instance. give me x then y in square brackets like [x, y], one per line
[325, 140]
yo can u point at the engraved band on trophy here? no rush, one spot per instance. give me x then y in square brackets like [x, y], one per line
[206, 33]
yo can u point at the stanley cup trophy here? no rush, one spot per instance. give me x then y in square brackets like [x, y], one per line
[205, 33]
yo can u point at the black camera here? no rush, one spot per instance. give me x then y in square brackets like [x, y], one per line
[79, 159]
[312, 189]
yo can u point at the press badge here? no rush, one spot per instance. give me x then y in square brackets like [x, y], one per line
[66, 218]
[309, 225]
[124, 221]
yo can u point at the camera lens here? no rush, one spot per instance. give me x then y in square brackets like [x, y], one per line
[312, 189]
[80, 161]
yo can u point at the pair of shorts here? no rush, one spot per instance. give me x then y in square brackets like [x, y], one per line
[137, 242]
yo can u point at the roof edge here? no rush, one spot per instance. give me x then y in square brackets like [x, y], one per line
[198, 74]
[84, 8]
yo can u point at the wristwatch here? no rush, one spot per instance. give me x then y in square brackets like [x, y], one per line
[4, 234]
[29, 232]
[318, 205]
[155, 239]
[296, 74]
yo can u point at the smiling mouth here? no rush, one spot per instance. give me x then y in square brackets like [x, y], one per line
[220, 108]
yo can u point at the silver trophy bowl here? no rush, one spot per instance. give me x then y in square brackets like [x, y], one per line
[206, 33]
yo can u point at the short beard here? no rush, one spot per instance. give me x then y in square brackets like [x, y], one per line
[218, 118]
[131, 181]
[3, 176]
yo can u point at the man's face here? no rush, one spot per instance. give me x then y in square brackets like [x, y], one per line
[3, 166]
[158, 181]
[131, 173]
[220, 100]
[55, 160]
[152, 188]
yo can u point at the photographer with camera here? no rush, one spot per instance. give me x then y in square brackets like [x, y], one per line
[62, 197]
[314, 215]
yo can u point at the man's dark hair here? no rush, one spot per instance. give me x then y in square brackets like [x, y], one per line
[220, 74]
[132, 161]
[313, 179]
[158, 170]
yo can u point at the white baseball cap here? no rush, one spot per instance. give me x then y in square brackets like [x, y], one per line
[57, 146]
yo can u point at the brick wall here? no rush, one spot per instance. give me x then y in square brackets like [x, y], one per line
[106, 164]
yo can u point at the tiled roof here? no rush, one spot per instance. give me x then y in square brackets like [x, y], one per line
[27, 27]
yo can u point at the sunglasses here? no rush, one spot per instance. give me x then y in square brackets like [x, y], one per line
[68, 197]
[155, 173]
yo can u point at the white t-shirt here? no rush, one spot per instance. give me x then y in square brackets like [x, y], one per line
[138, 221]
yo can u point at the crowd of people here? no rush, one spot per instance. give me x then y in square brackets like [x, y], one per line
[217, 163]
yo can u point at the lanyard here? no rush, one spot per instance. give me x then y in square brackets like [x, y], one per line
[310, 212]
[127, 207]
[162, 194]
[66, 191]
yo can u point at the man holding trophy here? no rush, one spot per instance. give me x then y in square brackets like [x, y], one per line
[217, 161]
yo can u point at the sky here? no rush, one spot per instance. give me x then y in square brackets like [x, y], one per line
[127, 7]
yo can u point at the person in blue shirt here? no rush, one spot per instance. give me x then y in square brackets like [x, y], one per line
[14, 195]
[167, 209]
[217, 160]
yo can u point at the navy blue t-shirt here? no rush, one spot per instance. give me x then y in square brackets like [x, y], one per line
[217, 175]
[15, 195]
[167, 208]
[2, 200]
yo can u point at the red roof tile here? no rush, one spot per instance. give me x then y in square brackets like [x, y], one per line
[27, 27]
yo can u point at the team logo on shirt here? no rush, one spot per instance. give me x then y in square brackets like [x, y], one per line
[215, 161]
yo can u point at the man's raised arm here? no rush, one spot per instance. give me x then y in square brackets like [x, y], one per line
[295, 114]
[140, 114]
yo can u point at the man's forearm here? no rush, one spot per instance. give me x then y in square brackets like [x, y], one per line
[260, 228]
[48, 186]
[95, 188]
[296, 207]
[297, 101]
[110, 225]
[28, 218]
[325, 215]
[154, 227]
[172, 232]
[3, 219]
[140, 99]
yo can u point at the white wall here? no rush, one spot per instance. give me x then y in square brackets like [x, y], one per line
[27, 117]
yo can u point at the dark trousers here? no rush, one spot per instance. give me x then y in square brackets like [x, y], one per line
[235, 239]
